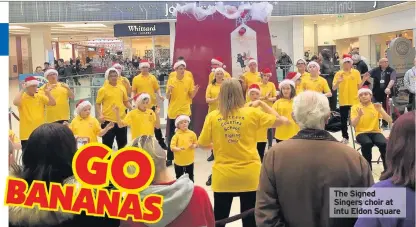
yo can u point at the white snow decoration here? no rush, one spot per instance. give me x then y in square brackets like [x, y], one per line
[260, 11]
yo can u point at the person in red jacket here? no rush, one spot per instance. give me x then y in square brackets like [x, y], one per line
[184, 204]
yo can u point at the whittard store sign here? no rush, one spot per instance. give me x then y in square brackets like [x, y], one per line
[142, 29]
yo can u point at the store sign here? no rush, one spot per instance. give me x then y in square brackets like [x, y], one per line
[142, 29]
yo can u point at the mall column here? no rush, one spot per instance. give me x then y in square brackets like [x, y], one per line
[41, 45]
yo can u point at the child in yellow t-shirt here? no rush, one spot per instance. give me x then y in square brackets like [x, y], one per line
[183, 144]
[15, 140]
[142, 120]
[284, 107]
[85, 127]
[14, 145]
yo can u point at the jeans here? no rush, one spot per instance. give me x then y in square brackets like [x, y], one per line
[223, 201]
[367, 141]
[120, 134]
[345, 112]
[181, 170]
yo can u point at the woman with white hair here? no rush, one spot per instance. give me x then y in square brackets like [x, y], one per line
[184, 204]
[231, 132]
[297, 174]
[315, 82]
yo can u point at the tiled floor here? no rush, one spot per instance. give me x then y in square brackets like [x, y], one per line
[202, 167]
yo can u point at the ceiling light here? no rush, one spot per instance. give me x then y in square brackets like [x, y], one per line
[15, 27]
[83, 25]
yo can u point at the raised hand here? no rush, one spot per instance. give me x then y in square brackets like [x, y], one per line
[378, 106]
[115, 108]
[171, 87]
[341, 78]
[366, 77]
[254, 103]
[196, 89]
[157, 111]
[361, 112]
[110, 125]
[161, 98]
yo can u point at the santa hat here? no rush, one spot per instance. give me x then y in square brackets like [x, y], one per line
[315, 64]
[144, 64]
[81, 105]
[50, 71]
[117, 65]
[182, 118]
[252, 60]
[294, 76]
[140, 97]
[218, 61]
[266, 71]
[31, 81]
[108, 72]
[179, 63]
[347, 58]
[364, 89]
[254, 87]
[286, 82]
[302, 60]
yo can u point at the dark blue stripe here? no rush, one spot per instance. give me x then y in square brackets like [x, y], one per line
[4, 39]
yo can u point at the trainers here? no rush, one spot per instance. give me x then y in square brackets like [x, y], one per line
[344, 141]
[209, 180]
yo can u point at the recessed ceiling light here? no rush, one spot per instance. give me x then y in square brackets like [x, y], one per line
[83, 25]
[15, 27]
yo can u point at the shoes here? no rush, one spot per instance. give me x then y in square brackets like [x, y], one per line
[211, 158]
[168, 163]
[209, 180]
[344, 141]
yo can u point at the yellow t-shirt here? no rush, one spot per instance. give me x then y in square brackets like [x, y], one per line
[237, 162]
[12, 135]
[184, 139]
[304, 75]
[31, 113]
[120, 82]
[88, 127]
[251, 78]
[268, 88]
[318, 84]
[211, 76]
[60, 111]
[261, 134]
[369, 122]
[180, 102]
[284, 108]
[141, 122]
[348, 88]
[108, 96]
[146, 84]
[213, 90]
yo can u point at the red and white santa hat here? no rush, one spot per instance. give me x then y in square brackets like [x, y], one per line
[107, 72]
[286, 82]
[218, 61]
[365, 89]
[254, 87]
[182, 118]
[294, 76]
[140, 97]
[49, 72]
[266, 71]
[81, 105]
[144, 64]
[315, 64]
[31, 81]
[251, 60]
[347, 58]
[179, 63]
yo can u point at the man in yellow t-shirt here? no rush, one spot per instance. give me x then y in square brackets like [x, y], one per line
[315, 82]
[61, 93]
[110, 95]
[347, 81]
[180, 92]
[147, 83]
[217, 62]
[31, 106]
[122, 80]
[365, 119]
[250, 77]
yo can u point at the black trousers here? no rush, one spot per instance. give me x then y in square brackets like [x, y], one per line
[224, 200]
[172, 127]
[270, 136]
[181, 170]
[411, 105]
[24, 144]
[345, 112]
[334, 99]
[120, 134]
[261, 146]
[159, 134]
[367, 141]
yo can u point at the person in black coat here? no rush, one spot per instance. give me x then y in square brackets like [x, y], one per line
[48, 157]
[328, 72]
[361, 66]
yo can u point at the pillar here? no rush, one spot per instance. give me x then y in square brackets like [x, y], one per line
[298, 38]
[364, 42]
[41, 45]
[414, 37]
[172, 32]
[315, 40]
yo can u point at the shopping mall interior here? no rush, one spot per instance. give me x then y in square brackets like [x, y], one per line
[88, 37]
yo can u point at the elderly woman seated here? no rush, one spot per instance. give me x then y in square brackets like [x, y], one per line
[184, 204]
